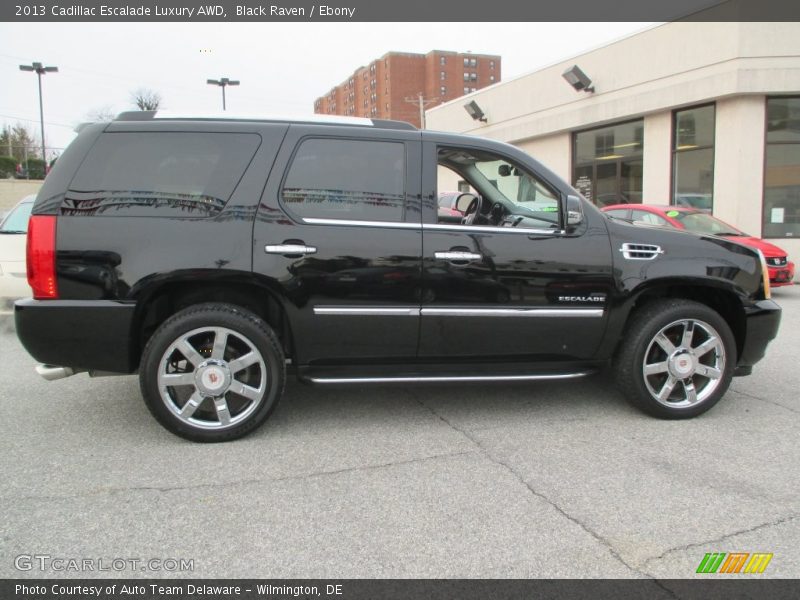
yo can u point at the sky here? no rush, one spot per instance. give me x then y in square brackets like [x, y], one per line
[282, 67]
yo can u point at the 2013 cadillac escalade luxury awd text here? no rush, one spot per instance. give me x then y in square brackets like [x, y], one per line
[210, 255]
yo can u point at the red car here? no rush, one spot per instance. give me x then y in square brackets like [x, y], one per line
[781, 269]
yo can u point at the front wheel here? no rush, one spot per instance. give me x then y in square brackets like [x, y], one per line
[677, 359]
[212, 372]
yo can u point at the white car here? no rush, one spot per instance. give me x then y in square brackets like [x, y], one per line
[13, 235]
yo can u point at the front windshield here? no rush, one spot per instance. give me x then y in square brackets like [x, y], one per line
[17, 219]
[700, 222]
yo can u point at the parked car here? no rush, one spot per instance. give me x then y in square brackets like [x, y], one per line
[781, 269]
[448, 207]
[213, 256]
[13, 234]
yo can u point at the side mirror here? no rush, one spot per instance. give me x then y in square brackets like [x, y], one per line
[574, 211]
[463, 202]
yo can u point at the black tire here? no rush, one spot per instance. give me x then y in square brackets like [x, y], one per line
[250, 392]
[670, 317]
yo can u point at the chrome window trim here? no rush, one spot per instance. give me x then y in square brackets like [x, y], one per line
[431, 226]
[403, 311]
[445, 378]
[352, 223]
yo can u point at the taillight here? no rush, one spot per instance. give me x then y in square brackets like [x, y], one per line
[41, 256]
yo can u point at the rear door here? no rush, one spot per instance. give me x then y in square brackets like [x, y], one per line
[338, 234]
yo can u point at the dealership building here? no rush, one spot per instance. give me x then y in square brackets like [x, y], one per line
[686, 113]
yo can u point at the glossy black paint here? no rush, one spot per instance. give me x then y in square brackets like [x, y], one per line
[119, 264]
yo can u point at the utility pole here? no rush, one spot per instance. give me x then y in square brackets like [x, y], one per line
[422, 102]
[223, 83]
[40, 70]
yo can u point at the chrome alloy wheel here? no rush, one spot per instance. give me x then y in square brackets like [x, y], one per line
[684, 362]
[212, 378]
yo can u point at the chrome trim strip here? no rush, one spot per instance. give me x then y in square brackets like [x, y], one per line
[528, 230]
[359, 311]
[431, 226]
[512, 312]
[444, 378]
[408, 311]
[349, 223]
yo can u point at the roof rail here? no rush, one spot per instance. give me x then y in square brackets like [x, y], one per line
[149, 115]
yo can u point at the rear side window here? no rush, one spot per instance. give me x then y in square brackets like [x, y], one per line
[160, 174]
[359, 180]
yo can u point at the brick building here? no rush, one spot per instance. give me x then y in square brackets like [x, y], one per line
[381, 89]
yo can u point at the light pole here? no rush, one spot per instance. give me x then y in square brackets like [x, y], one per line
[40, 70]
[223, 83]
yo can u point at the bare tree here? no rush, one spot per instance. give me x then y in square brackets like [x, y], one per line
[145, 99]
[101, 114]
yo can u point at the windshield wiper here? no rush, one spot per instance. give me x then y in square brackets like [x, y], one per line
[11, 231]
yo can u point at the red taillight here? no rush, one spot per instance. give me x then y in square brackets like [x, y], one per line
[41, 256]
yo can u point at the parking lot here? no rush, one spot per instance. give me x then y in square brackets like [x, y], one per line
[558, 479]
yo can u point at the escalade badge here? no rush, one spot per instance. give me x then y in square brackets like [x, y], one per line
[592, 298]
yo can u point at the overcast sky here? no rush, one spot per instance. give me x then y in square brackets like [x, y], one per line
[282, 67]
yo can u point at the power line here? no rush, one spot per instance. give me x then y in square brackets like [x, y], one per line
[36, 121]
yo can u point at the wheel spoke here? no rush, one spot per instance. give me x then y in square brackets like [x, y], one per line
[655, 368]
[191, 405]
[220, 342]
[711, 343]
[688, 333]
[691, 392]
[666, 390]
[243, 362]
[710, 372]
[177, 379]
[223, 414]
[249, 392]
[665, 344]
[192, 355]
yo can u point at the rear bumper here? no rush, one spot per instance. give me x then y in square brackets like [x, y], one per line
[80, 334]
[762, 321]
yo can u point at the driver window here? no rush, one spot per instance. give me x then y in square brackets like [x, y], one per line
[477, 188]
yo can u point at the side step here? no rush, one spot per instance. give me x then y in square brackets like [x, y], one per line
[445, 378]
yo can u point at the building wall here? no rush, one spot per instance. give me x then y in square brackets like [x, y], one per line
[649, 75]
[388, 87]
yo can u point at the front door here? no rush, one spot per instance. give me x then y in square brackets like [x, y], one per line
[508, 282]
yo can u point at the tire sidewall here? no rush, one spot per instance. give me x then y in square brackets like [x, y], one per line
[212, 315]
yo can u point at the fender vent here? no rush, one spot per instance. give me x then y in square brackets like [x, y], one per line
[640, 251]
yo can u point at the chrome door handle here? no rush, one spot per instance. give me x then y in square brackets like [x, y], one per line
[455, 255]
[289, 249]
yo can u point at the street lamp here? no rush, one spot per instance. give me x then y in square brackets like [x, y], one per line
[40, 70]
[223, 83]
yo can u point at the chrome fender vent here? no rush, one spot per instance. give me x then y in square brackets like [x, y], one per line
[640, 251]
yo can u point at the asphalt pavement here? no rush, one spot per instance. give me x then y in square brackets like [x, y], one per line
[551, 479]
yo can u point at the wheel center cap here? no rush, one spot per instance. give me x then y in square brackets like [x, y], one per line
[682, 365]
[213, 378]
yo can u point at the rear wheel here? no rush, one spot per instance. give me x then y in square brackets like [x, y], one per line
[212, 373]
[677, 359]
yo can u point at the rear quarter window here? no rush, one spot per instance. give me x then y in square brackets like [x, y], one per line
[189, 174]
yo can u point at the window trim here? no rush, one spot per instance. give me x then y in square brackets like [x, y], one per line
[673, 151]
[324, 221]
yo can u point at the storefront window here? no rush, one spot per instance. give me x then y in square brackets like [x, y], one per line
[782, 168]
[607, 163]
[693, 157]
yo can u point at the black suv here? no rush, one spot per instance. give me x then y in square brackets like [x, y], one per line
[210, 255]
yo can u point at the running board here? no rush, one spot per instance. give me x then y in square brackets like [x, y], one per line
[447, 378]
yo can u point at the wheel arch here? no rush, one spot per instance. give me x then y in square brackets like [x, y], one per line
[156, 302]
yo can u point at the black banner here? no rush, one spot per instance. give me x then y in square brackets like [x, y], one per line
[398, 10]
[396, 589]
